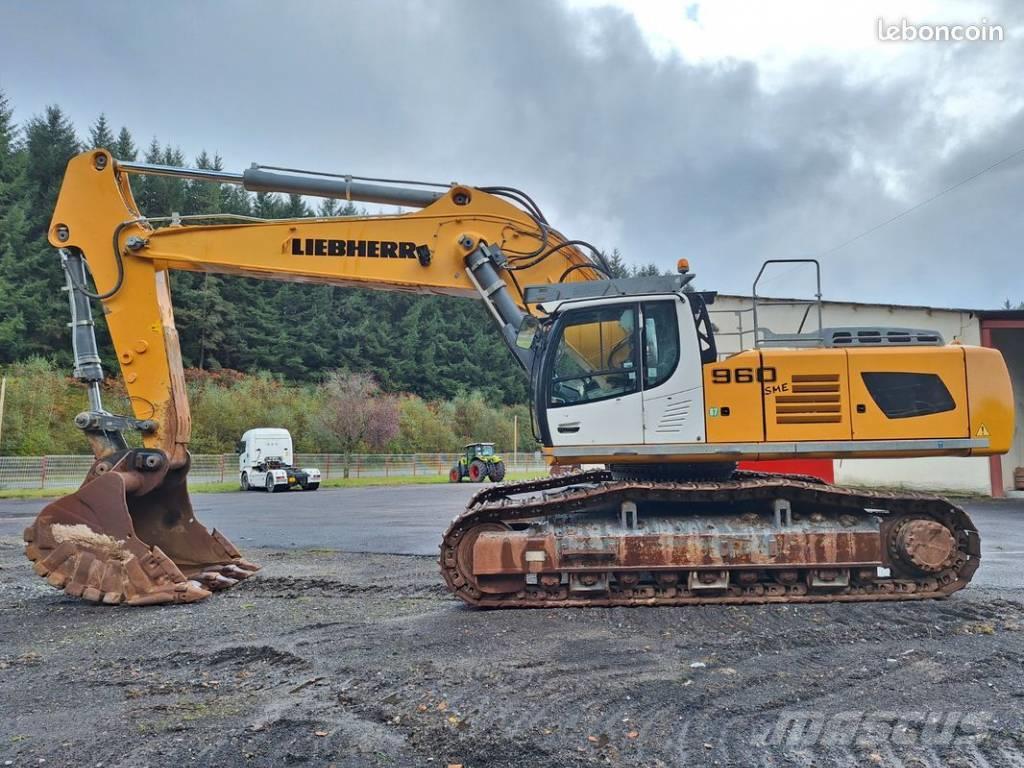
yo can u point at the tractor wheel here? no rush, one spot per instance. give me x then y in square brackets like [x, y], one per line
[270, 483]
[310, 486]
[455, 476]
[244, 481]
[477, 471]
[497, 471]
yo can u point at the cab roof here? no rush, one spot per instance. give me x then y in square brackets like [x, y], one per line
[597, 289]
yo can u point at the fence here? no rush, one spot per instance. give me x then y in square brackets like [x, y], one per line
[68, 471]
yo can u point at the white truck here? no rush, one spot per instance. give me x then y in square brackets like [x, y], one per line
[265, 461]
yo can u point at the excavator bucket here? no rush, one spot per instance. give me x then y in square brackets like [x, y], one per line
[128, 535]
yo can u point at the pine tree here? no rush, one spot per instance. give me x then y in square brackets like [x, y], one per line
[100, 135]
[124, 148]
[31, 264]
[204, 196]
[161, 195]
[267, 205]
[13, 236]
[8, 137]
[296, 208]
[14, 242]
[12, 159]
[328, 207]
[648, 270]
[50, 140]
[616, 264]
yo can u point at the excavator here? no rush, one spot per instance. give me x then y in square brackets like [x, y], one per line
[625, 373]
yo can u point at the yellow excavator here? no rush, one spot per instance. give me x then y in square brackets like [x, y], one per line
[624, 373]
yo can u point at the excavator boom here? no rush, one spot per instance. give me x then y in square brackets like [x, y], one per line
[624, 372]
[129, 534]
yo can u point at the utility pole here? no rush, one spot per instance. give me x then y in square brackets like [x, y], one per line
[515, 432]
[3, 393]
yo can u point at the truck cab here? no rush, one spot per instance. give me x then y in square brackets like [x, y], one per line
[265, 460]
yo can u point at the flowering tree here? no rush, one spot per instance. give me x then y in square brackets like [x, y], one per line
[355, 413]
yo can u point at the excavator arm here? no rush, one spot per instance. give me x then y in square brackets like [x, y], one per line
[464, 242]
[129, 534]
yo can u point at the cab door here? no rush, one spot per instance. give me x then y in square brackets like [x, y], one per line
[672, 373]
[593, 392]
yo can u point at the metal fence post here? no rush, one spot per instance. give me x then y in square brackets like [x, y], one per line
[42, 472]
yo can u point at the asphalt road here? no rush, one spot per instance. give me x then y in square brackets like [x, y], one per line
[409, 520]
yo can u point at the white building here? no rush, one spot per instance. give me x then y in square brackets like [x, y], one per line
[733, 317]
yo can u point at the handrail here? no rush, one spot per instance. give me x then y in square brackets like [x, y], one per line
[808, 303]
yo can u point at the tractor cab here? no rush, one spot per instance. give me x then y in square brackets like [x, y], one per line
[478, 462]
[479, 449]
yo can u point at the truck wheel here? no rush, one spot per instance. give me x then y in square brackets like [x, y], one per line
[477, 471]
[244, 482]
[497, 471]
[310, 486]
[270, 483]
[455, 476]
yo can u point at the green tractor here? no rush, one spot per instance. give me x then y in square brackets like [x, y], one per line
[478, 462]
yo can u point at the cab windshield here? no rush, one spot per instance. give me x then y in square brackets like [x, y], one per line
[486, 450]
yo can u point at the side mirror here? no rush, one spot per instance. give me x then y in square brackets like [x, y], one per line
[240, 448]
[527, 331]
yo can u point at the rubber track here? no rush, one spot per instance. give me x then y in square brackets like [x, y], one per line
[575, 493]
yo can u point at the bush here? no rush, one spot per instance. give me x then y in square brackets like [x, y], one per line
[42, 402]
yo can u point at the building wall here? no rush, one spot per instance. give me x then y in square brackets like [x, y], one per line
[939, 473]
[732, 314]
[1011, 343]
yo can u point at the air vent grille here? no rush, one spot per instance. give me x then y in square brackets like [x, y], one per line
[815, 399]
[841, 337]
[674, 417]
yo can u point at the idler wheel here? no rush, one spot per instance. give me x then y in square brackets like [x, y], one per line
[498, 584]
[928, 545]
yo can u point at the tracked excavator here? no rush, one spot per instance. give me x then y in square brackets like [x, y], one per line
[624, 373]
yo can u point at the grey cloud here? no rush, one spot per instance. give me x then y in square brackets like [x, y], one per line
[660, 158]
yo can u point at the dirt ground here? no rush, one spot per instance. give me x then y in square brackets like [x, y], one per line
[338, 659]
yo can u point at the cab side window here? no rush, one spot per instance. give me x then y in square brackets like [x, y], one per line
[661, 342]
[597, 356]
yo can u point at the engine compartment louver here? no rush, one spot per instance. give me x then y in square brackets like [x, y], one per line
[815, 399]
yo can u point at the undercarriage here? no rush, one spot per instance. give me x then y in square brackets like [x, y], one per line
[590, 539]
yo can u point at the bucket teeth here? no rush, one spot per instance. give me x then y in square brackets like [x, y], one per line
[104, 545]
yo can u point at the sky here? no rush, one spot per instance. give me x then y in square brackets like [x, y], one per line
[722, 131]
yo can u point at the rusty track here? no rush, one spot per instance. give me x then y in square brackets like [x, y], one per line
[581, 494]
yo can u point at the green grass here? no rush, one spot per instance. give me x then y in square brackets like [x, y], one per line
[334, 482]
[34, 493]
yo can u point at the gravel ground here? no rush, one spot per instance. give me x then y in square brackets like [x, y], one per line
[328, 658]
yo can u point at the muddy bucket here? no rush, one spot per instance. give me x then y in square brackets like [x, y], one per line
[128, 535]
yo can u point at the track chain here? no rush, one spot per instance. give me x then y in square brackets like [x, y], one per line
[578, 492]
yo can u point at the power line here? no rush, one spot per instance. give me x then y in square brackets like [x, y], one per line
[923, 203]
[909, 210]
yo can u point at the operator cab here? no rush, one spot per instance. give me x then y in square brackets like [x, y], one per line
[622, 362]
